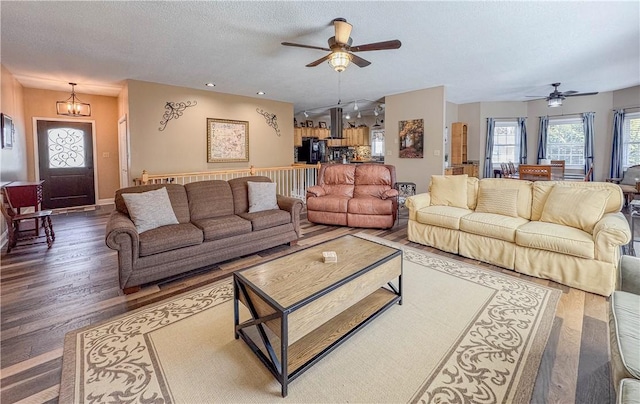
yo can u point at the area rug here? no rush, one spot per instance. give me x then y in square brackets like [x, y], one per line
[462, 334]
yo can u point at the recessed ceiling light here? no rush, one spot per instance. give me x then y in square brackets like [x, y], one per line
[260, 93]
[210, 85]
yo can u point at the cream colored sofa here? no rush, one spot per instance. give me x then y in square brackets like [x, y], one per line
[567, 231]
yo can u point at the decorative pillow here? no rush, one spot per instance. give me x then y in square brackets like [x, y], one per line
[498, 200]
[449, 190]
[575, 207]
[262, 196]
[150, 209]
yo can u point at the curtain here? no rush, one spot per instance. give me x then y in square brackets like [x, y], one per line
[542, 138]
[616, 147]
[523, 140]
[587, 122]
[488, 150]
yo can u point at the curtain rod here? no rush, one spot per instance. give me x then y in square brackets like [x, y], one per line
[553, 116]
[627, 107]
[509, 117]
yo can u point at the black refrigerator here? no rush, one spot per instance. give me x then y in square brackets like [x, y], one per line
[313, 151]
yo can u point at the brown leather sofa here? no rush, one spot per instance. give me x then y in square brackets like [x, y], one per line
[354, 195]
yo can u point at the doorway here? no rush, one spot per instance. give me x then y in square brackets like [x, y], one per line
[123, 151]
[66, 163]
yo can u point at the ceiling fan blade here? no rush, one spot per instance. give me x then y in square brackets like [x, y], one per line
[358, 61]
[305, 46]
[317, 62]
[536, 96]
[569, 92]
[394, 44]
[579, 94]
[343, 30]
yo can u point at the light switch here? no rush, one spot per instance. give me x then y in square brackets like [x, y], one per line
[436, 152]
[105, 154]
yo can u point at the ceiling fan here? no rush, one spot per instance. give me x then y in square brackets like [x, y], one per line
[341, 50]
[554, 99]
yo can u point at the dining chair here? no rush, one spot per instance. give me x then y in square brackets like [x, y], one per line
[557, 168]
[506, 173]
[13, 220]
[587, 176]
[512, 169]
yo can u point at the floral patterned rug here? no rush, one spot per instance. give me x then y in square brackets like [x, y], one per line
[462, 334]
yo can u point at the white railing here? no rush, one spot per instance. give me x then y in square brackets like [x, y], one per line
[291, 180]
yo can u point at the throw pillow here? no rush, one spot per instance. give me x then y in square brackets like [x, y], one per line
[150, 209]
[575, 207]
[498, 200]
[449, 190]
[262, 196]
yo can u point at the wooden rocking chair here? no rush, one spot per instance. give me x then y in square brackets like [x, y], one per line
[13, 220]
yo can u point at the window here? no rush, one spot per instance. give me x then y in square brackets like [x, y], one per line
[565, 141]
[66, 148]
[631, 140]
[506, 146]
[377, 143]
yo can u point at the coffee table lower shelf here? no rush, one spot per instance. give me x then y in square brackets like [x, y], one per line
[308, 350]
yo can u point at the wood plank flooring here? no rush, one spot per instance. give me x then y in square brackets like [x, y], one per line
[47, 293]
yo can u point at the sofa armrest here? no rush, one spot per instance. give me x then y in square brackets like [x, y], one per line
[630, 274]
[294, 207]
[389, 193]
[316, 190]
[611, 232]
[121, 235]
[417, 202]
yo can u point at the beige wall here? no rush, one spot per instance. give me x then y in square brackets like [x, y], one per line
[104, 112]
[451, 116]
[470, 114]
[13, 162]
[627, 98]
[427, 104]
[182, 146]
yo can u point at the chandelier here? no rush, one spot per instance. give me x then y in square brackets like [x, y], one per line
[72, 106]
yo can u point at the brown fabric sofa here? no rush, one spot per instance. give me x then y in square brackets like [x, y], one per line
[354, 195]
[214, 226]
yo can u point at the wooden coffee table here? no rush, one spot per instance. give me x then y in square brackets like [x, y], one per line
[301, 308]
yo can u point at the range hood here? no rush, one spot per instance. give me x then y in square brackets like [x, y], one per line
[336, 122]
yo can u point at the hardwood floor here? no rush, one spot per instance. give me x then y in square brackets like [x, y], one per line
[47, 293]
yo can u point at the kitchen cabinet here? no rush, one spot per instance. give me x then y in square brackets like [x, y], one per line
[458, 143]
[299, 133]
[356, 136]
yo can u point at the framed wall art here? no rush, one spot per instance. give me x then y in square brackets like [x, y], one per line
[411, 139]
[6, 130]
[227, 140]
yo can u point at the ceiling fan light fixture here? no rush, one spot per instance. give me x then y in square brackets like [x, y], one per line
[554, 102]
[73, 106]
[339, 61]
[355, 105]
[375, 112]
[348, 116]
[359, 115]
[306, 114]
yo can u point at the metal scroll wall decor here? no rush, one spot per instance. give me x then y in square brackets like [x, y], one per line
[174, 110]
[272, 119]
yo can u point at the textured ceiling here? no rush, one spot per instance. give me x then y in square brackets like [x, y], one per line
[480, 51]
